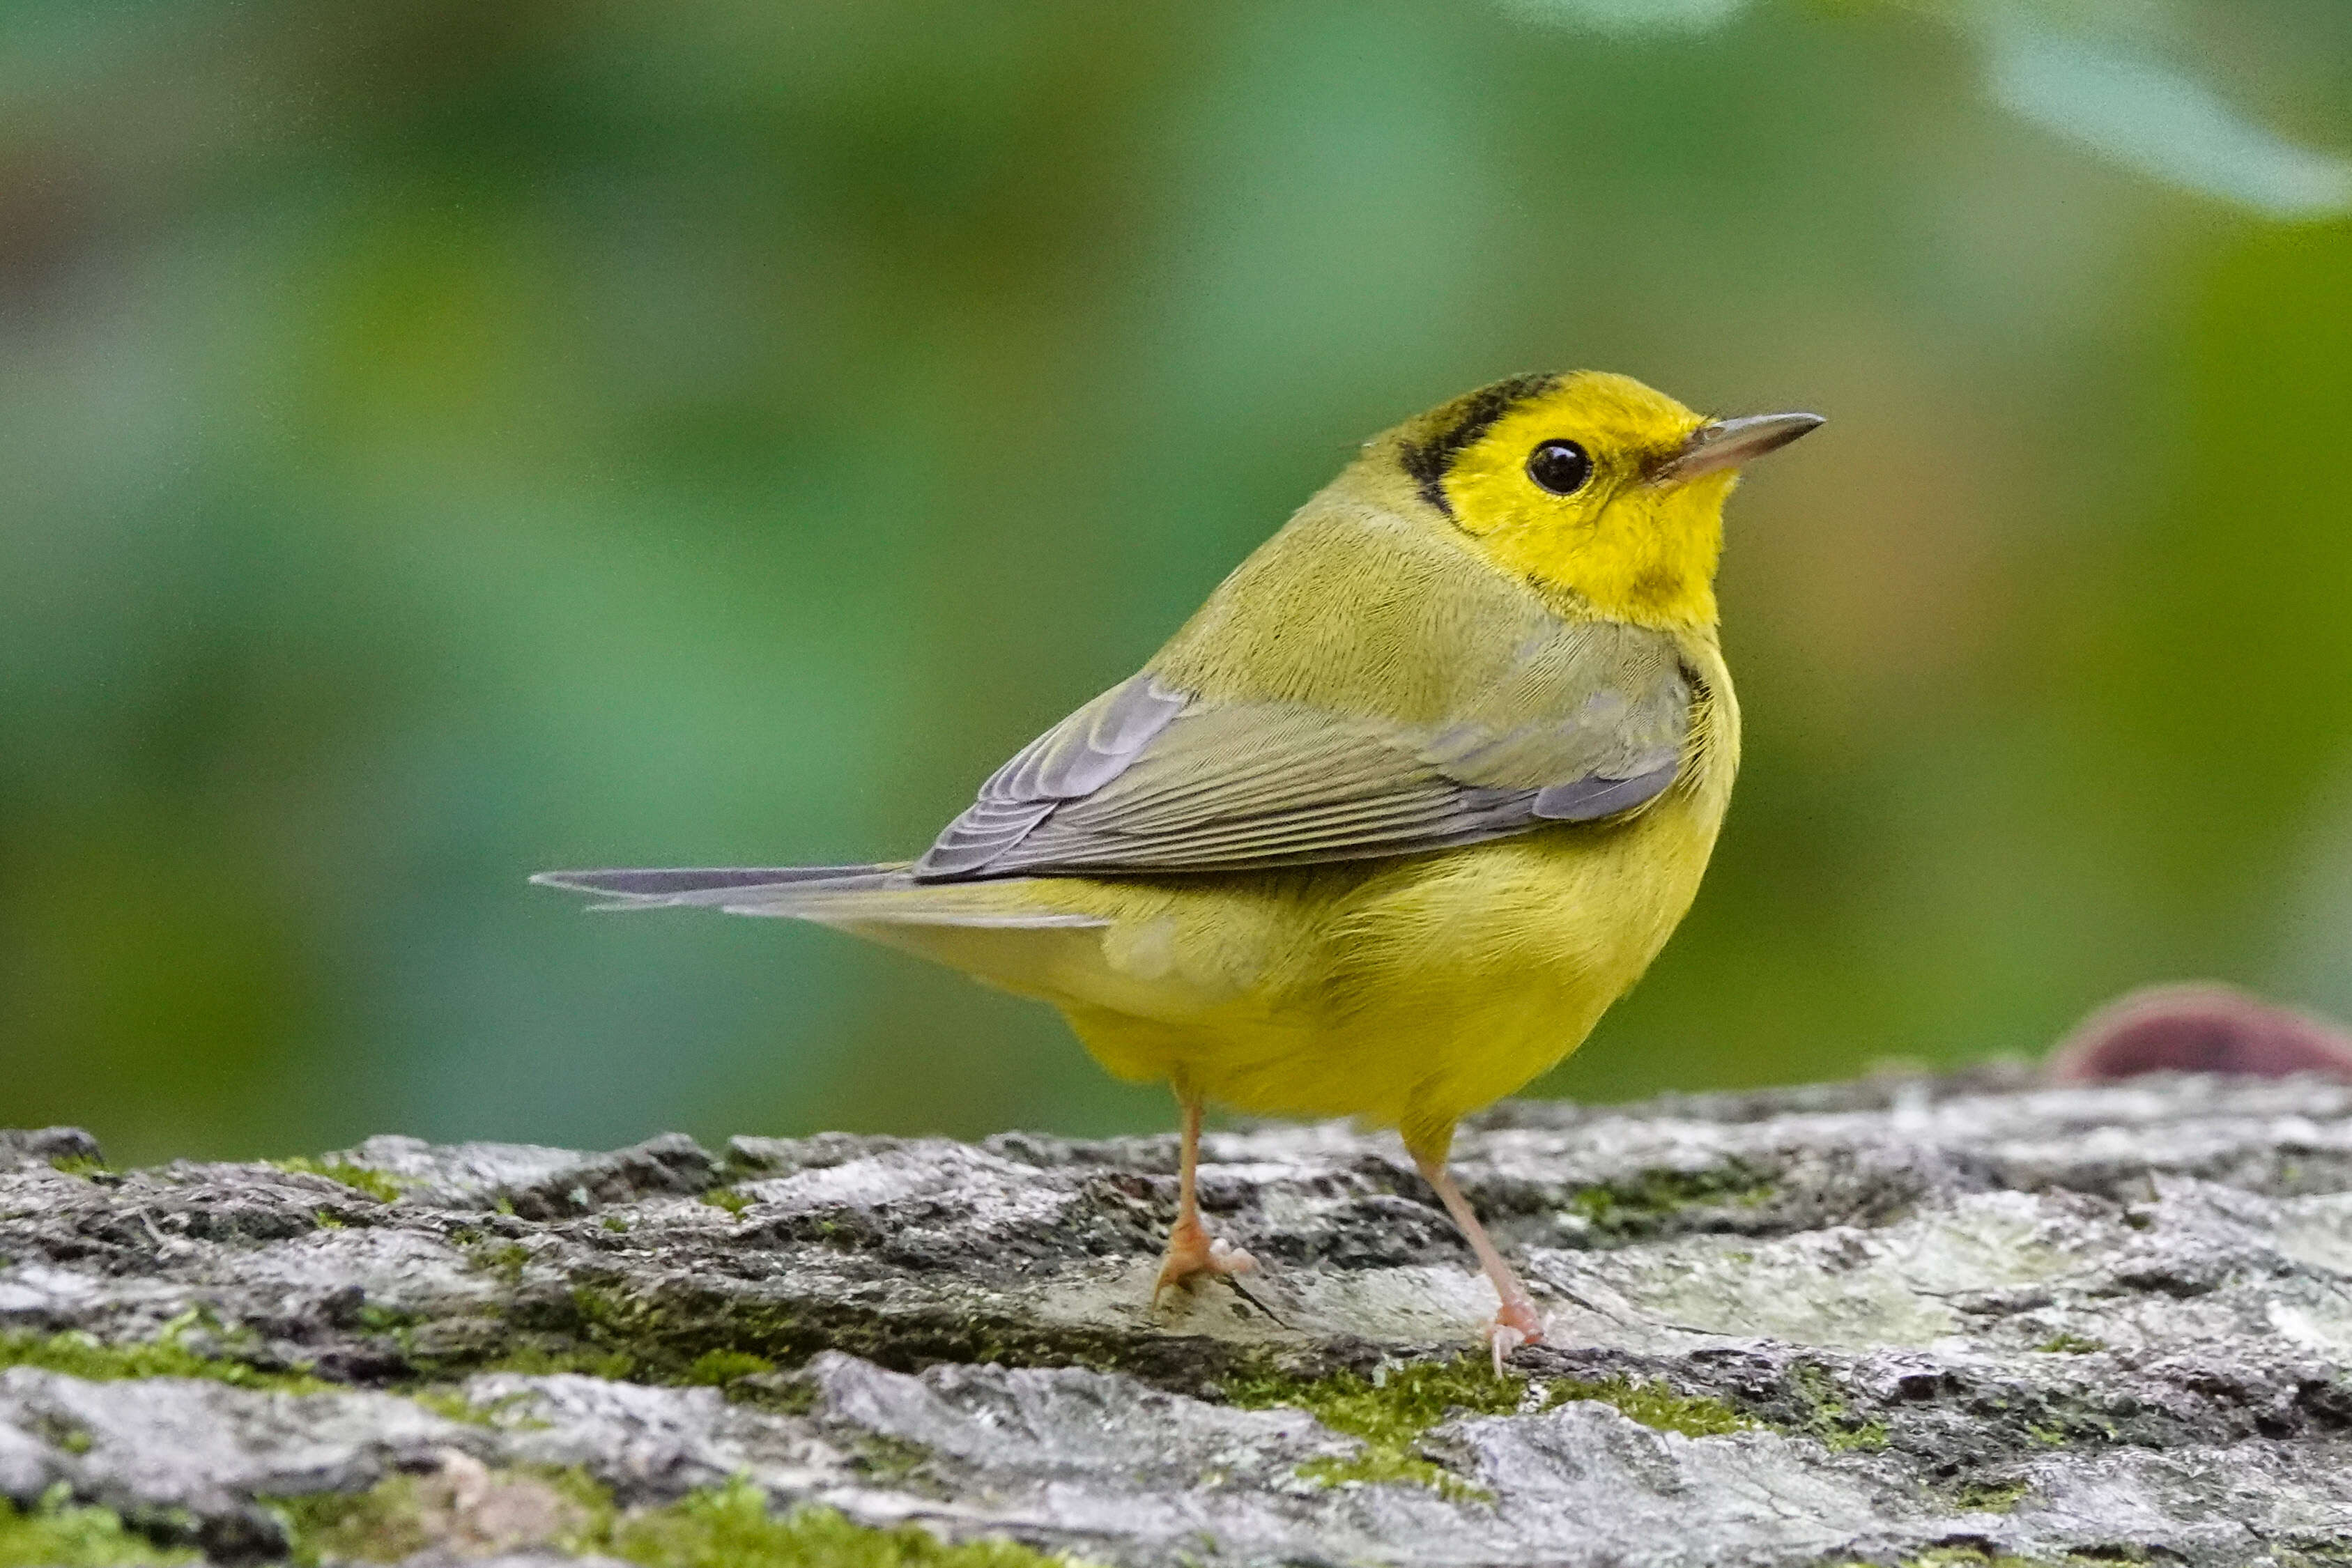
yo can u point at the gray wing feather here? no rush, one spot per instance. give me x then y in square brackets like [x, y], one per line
[1597, 795]
[1145, 779]
[1073, 759]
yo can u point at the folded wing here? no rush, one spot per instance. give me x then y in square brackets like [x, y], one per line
[1587, 722]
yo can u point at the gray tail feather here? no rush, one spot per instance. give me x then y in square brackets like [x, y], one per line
[665, 887]
[883, 893]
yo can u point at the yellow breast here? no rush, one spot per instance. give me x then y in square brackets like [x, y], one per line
[1406, 992]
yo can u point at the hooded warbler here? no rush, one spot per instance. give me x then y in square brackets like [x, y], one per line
[1416, 794]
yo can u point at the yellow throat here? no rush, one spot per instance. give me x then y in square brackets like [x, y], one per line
[1636, 541]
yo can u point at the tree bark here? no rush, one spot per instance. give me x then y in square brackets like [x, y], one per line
[1863, 1322]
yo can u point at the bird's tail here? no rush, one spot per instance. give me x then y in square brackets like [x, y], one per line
[885, 894]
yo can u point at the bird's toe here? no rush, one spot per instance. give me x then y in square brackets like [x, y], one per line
[1224, 1258]
[1517, 1323]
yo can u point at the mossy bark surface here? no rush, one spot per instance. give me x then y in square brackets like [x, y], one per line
[1889, 1323]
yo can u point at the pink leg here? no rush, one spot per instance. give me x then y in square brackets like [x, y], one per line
[1191, 1251]
[1517, 1323]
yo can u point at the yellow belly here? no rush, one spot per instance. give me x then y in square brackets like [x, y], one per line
[1403, 992]
[1406, 993]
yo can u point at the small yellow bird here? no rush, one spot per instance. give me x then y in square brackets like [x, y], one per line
[1382, 831]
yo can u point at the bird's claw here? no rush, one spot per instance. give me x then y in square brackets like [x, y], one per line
[1517, 1323]
[1192, 1253]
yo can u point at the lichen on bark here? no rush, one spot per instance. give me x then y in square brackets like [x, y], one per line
[1900, 1322]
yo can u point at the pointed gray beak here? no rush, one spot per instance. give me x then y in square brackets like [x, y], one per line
[1722, 444]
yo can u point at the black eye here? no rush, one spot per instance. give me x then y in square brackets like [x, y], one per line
[1561, 466]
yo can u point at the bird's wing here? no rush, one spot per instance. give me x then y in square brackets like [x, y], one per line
[1584, 723]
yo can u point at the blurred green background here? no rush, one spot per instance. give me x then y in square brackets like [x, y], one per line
[441, 441]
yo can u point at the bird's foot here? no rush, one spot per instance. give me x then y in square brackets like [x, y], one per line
[1191, 1253]
[1516, 1324]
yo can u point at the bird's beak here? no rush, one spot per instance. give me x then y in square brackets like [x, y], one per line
[1721, 444]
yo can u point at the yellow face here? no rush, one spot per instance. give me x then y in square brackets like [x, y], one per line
[1565, 481]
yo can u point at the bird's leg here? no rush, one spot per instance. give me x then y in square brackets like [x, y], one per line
[1191, 1251]
[1517, 1323]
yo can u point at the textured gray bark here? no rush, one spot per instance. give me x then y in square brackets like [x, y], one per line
[1970, 1317]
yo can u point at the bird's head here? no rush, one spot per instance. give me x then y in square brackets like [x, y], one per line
[1591, 486]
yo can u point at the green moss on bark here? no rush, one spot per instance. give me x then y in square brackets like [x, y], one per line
[1829, 1419]
[1646, 1204]
[730, 1527]
[721, 1527]
[79, 1355]
[727, 1198]
[383, 1189]
[55, 1533]
[1655, 1405]
[1388, 1412]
